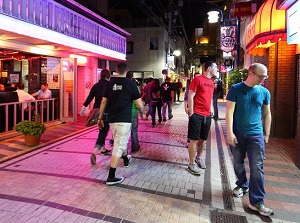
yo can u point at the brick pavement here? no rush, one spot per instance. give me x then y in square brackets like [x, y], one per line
[56, 183]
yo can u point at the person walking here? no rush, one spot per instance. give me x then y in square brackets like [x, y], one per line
[135, 145]
[147, 96]
[199, 106]
[218, 89]
[97, 92]
[117, 100]
[167, 96]
[248, 122]
[178, 89]
[156, 102]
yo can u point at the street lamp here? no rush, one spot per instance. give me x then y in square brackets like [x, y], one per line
[213, 17]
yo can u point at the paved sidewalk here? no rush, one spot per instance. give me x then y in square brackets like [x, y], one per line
[56, 183]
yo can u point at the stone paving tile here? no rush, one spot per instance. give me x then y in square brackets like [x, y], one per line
[157, 187]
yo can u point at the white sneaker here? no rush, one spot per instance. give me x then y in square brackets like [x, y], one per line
[262, 209]
[194, 169]
[239, 192]
[200, 162]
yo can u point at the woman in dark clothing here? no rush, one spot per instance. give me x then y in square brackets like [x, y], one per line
[155, 100]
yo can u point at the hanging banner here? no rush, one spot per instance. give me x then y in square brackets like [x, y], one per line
[227, 38]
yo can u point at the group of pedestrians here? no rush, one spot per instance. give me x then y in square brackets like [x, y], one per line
[159, 98]
[248, 122]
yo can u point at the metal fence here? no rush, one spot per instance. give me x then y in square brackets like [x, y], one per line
[12, 113]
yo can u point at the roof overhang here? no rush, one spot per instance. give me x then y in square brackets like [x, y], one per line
[266, 28]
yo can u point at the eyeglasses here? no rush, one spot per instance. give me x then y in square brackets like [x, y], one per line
[263, 77]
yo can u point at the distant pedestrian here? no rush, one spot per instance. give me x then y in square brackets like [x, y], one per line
[199, 106]
[178, 89]
[117, 100]
[96, 93]
[156, 102]
[167, 96]
[218, 90]
[135, 145]
[248, 122]
[147, 96]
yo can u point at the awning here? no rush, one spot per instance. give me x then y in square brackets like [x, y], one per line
[266, 28]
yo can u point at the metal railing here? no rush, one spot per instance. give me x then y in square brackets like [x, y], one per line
[51, 15]
[13, 112]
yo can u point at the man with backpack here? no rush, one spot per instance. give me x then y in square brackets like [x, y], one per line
[217, 92]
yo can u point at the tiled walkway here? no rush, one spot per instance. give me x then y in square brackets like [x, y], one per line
[56, 183]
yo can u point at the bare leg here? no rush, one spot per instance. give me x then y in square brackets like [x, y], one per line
[192, 150]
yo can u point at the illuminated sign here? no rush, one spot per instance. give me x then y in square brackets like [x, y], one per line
[241, 9]
[228, 38]
[293, 27]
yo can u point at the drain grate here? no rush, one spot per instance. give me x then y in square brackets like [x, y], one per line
[217, 216]
[227, 195]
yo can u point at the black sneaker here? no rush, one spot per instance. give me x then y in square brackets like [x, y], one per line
[170, 117]
[164, 120]
[106, 152]
[126, 164]
[114, 181]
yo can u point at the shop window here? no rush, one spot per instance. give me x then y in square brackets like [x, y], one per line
[129, 48]
[154, 43]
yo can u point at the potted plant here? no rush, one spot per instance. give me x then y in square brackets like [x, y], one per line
[32, 131]
[237, 76]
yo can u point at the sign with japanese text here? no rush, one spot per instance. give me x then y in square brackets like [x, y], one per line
[227, 38]
[241, 9]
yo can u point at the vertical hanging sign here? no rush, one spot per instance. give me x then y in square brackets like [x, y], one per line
[227, 38]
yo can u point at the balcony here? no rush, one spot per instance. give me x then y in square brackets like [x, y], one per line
[52, 16]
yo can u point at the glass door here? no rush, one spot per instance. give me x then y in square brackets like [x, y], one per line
[68, 98]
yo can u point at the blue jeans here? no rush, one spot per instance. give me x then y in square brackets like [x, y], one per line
[102, 133]
[254, 147]
[134, 132]
[164, 109]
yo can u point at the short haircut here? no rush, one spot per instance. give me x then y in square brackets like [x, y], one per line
[105, 74]
[122, 67]
[45, 84]
[208, 64]
[258, 67]
[21, 86]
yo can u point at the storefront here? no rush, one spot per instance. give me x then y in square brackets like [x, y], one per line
[266, 41]
[63, 45]
[293, 37]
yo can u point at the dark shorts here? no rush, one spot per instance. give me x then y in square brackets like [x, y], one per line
[199, 127]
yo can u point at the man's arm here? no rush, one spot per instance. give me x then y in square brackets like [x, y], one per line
[191, 102]
[267, 119]
[140, 107]
[231, 138]
[101, 111]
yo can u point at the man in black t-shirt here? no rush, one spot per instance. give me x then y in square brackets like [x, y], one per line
[117, 102]
[167, 96]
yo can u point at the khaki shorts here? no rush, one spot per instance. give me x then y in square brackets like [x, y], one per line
[121, 133]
